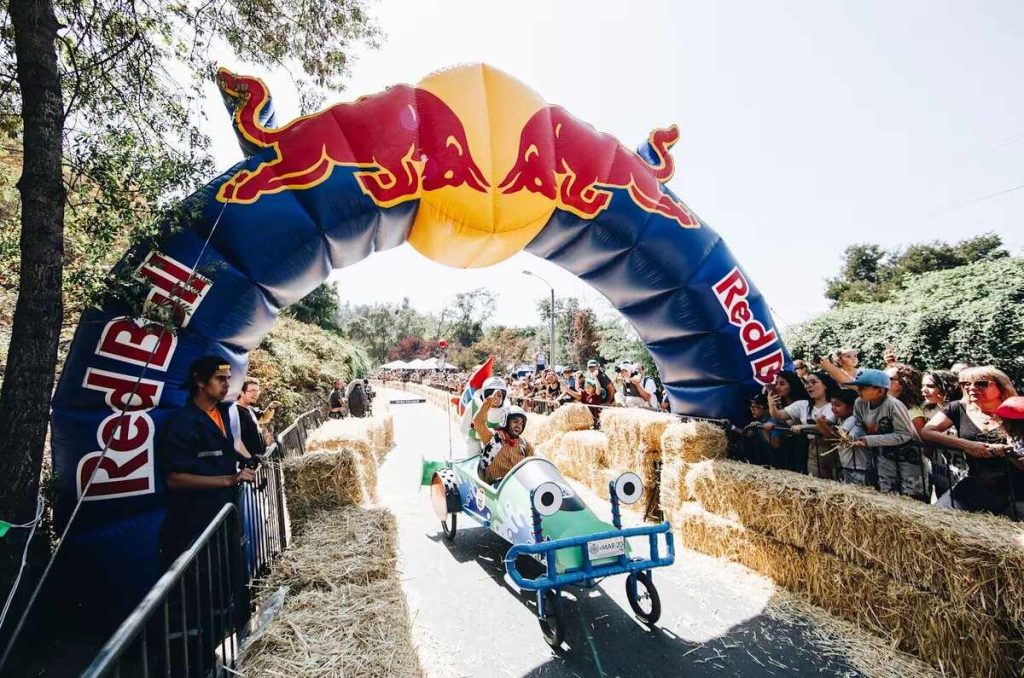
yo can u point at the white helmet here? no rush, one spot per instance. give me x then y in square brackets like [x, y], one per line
[494, 384]
[514, 411]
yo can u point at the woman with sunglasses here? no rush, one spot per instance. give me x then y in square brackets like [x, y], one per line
[987, 486]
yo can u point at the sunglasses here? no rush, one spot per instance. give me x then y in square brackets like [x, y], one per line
[981, 384]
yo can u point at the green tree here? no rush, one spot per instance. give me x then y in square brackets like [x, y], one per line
[469, 312]
[508, 345]
[871, 273]
[972, 313]
[101, 96]
[584, 338]
[319, 307]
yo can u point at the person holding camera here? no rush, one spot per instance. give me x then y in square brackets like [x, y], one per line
[638, 391]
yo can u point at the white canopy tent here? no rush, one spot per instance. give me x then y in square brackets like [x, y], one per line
[395, 365]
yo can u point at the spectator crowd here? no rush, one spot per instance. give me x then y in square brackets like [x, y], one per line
[954, 438]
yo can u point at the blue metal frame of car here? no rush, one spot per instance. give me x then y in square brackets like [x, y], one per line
[553, 580]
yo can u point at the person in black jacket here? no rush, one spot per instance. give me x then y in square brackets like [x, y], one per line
[196, 456]
[358, 403]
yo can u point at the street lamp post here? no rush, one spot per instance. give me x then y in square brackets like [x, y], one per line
[551, 344]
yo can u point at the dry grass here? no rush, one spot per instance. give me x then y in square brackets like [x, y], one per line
[951, 636]
[974, 559]
[348, 545]
[322, 480]
[353, 631]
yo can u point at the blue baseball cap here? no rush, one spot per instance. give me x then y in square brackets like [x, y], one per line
[869, 377]
[593, 363]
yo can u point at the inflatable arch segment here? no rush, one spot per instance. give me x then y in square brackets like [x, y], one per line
[469, 166]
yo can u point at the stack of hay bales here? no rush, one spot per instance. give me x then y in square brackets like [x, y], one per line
[947, 586]
[580, 455]
[634, 444]
[352, 435]
[683, 444]
[322, 480]
[344, 613]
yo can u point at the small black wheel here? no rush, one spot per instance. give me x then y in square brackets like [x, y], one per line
[643, 597]
[552, 624]
[448, 526]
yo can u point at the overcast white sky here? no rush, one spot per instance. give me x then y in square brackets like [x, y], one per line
[806, 125]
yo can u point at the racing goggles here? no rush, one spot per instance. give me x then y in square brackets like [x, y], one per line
[488, 392]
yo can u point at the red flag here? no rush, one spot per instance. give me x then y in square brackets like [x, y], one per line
[482, 374]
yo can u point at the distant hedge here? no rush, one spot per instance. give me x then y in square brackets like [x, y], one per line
[972, 314]
[296, 363]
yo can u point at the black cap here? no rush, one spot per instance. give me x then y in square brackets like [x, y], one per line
[203, 368]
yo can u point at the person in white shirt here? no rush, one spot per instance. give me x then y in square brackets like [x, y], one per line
[804, 415]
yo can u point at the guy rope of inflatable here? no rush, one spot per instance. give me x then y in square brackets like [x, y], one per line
[85, 491]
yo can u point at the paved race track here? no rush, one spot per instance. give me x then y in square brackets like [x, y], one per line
[469, 622]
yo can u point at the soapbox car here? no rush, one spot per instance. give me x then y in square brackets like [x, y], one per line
[536, 510]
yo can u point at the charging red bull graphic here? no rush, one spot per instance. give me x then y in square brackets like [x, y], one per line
[565, 159]
[469, 166]
[404, 140]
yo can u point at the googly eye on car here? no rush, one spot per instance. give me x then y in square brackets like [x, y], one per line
[547, 498]
[629, 487]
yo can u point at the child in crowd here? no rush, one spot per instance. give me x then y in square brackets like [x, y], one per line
[889, 436]
[592, 395]
[854, 462]
[759, 442]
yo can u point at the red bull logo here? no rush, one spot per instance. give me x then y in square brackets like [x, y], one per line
[567, 160]
[488, 159]
[404, 140]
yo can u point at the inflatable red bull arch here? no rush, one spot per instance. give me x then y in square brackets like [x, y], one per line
[469, 166]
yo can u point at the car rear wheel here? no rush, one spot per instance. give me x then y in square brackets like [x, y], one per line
[643, 597]
[551, 624]
[448, 526]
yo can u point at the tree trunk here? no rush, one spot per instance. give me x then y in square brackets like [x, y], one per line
[32, 356]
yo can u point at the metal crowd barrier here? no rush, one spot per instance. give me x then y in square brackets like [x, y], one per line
[190, 623]
[948, 465]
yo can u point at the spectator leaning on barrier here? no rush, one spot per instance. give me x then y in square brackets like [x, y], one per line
[637, 390]
[336, 401]
[854, 462]
[981, 436]
[804, 415]
[196, 453]
[792, 450]
[889, 435]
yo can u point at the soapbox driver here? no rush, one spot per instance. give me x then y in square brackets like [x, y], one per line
[536, 510]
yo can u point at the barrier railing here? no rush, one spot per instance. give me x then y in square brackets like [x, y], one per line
[936, 467]
[188, 624]
[191, 621]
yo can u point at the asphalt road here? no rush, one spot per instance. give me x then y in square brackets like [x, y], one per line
[469, 622]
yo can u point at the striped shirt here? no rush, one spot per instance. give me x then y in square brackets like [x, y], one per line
[497, 458]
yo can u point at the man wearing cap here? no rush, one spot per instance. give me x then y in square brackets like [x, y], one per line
[890, 434]
[606, 387]
[196, 455]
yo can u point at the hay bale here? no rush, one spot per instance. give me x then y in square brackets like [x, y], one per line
[571, 417]
[950, 636]
[577, 454]
[349, 545]
[693, 441]
[321, 480]
[632, 433]
[960, 556]
[355, 631]
[682, 444]
[537, 431]
[366, 455]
